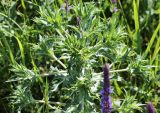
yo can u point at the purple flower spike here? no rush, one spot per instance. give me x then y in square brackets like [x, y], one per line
[106, 102]
[150, 108]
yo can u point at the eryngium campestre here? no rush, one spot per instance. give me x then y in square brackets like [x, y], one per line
[106, 102]
[150, 108]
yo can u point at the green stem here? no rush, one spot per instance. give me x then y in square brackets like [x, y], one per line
[55, 58]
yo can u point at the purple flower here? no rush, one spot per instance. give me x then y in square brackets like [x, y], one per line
[150, 108]
[115, 10]
[106, 102]
[66, 6]
[114, 1]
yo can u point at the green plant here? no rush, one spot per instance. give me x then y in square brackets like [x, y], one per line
[52, 53]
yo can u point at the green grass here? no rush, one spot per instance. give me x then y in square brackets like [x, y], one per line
[51, 57]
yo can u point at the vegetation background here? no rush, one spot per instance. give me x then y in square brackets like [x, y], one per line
[52, 53]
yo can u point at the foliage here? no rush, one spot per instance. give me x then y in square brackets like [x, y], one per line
[52, 53]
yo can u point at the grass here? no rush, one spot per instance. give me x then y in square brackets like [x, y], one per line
[52, 54]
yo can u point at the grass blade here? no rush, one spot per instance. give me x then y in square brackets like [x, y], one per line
[137, 40]
[136, 21]
[156, 50]
[151, 41]
[9, 50]
[21, 48]
[23, 4]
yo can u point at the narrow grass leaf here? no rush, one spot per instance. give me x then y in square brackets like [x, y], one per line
[20, 47]
[151, 41]
[137, 40]
[118, 89]
[23, 4]
[136, 21]
[156, 50]
[9, 50]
